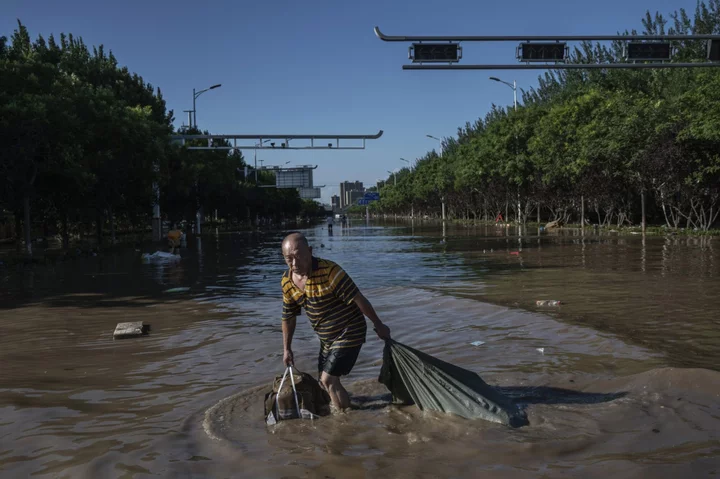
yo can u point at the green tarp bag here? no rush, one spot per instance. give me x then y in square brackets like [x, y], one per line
[417, 378]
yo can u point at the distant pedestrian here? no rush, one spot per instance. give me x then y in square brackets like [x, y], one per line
[330, 223]
[174, 237]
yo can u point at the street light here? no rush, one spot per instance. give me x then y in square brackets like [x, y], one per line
[199, 212]
[436, 138]
[406, 161]
[442, 152]
[196, 95]
[514, 89]
[394, 177]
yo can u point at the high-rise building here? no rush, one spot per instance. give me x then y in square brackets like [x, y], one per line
[346, 187]
[335, 199]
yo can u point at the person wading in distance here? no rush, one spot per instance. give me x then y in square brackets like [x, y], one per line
[336, 309]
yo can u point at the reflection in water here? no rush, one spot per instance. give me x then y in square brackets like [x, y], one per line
[598, 375]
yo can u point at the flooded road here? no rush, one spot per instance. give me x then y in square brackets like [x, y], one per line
[620, 380]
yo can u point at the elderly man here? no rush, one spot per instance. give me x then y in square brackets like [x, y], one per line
[336, 310]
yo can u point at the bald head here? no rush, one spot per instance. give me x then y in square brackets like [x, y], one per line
[297, 253]
[295, 238]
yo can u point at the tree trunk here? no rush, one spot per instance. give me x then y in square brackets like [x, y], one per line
[28, 226]
[18, 230]
[111, 218]
[642, 205]
[98, 226]
[538, 212]
[65, 232]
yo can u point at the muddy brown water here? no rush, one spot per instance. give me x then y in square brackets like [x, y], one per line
[621, 380]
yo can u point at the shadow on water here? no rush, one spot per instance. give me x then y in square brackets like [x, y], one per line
[522, 396]
[525, 395]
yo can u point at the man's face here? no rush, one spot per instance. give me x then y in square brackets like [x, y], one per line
[298, 257]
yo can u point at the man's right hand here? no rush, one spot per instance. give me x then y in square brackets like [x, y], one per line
[288, 359]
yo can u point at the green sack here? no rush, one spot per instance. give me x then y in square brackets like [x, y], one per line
[417, 378]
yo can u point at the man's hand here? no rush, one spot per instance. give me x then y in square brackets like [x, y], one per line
[382, 331]
[288, 359]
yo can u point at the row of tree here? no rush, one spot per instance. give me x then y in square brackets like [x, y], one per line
[83, 141]
[597, 142]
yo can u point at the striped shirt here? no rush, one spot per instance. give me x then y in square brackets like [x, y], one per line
[328, 303]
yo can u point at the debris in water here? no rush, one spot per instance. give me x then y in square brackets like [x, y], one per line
[541, 350]
[177, 290]
[477, 343]
[547, 302]
[130, 330]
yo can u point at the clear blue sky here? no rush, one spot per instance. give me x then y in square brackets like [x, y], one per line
[317, 67]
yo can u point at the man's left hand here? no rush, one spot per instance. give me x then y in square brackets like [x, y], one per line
[382, 331]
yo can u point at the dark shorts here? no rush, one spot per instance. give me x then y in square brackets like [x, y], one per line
[337, 362]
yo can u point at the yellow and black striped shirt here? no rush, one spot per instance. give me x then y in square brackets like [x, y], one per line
[328, 303]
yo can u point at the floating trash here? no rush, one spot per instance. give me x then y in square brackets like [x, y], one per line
[547, 302]
[177, 290]
[477, 343]
[161, 256]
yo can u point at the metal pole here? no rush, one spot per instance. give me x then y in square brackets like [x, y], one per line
[156, 220]
[563, 66]
[442, 154]
[255, 167]
[194, 112]
[197, 209]
[528, 38]
[515, 95]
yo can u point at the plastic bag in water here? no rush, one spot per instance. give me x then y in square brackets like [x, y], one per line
[414, 377]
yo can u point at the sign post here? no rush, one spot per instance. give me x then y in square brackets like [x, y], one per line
[368, 198]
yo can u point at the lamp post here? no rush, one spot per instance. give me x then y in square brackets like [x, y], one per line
[195, 97]
[442, 153]
[514, 89]
[394, 177]
[198, 213]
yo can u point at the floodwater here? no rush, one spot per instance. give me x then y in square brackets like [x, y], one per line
[621, 380]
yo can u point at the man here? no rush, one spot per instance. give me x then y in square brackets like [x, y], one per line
[336, 310]
[330, 223]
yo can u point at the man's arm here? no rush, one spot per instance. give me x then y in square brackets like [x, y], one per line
[367, 309]
[288, 329]
[290, 311]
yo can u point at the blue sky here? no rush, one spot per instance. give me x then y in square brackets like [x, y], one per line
[317, 67]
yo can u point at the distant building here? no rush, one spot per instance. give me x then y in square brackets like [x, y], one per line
[335, 199]
[354, 196]
[347, 188]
